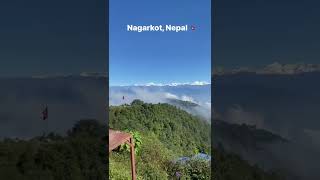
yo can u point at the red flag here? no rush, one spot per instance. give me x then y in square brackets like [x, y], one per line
[45, 113]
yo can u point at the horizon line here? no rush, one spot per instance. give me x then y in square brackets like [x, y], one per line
[194, 83]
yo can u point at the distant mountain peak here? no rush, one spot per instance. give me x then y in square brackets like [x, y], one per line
[274, 68]
[195, 83]
[93, 74]
[61, 75]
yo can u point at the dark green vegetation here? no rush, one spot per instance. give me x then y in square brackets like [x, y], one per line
[232, 142]
[176, 129]
[167, 133]
[248, 137]
[185, 104]
[228, 166]
[81, 155]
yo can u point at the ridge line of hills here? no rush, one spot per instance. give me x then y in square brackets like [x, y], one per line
[275, 68]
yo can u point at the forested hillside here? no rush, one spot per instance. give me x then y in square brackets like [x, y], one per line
[82, 155]
[229, 166]
[244, 136]
[177, 129]
[168, 133]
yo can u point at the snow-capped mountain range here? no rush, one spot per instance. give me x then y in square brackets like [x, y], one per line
[274, 68]
[195, 83]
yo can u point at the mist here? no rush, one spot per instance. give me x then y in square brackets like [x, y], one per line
[125, 95]
[68, 100]
[286, 105]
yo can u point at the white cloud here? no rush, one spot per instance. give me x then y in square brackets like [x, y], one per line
[123, 96]
[195, 83]
[172, 96]
[153, 84]
[199, 83]
[187, 98]
[238, 115]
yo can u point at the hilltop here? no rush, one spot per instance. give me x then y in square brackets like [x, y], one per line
[176, 128]
[168, 133]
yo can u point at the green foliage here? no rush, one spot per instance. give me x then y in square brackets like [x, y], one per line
[136, 140]
[88, 128]
[152, 171]
[82, 154]
[177, 129]
[167, 133]
[79, 156]
[246, 136]
[137, 102]
[191, 169]
[227, 166]
[151, 161]
[119, 170]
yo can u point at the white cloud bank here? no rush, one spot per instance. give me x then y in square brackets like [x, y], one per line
[127, 95]
[195, 83]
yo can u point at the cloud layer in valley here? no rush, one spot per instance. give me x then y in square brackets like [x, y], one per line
[69, 99]
[159, 94]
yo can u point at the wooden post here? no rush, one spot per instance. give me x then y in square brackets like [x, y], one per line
[133, 165]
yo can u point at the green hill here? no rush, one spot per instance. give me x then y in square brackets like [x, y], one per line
[168, 133]
[229, 166]
[82, 155]
[178, 130]
[244, 136]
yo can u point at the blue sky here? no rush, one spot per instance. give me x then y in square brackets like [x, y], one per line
[51, 37]
[260, 32]
[159, 57]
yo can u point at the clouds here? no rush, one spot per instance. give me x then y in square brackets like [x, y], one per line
[144, 94]
[199, 83]
[187, 98]
[118, 97]
[298, 156]
[195, 83]
[69, 100]
[125, 95]
[237, 115]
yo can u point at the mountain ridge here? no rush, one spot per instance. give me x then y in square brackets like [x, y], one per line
[274, 68]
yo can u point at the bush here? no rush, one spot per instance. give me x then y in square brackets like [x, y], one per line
[190, 169]
[136, 140]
